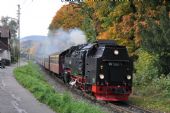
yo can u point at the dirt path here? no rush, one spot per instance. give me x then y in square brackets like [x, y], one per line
[16, 99]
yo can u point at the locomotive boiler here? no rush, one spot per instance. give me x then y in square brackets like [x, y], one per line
[103, 69]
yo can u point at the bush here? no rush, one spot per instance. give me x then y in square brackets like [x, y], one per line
[163, 86]
[146, 68]
[148, 79]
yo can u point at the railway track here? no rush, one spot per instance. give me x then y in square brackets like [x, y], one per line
[121, 107]
[117, 107]
[113, 107]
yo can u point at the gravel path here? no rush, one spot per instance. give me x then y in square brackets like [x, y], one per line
[16, 99]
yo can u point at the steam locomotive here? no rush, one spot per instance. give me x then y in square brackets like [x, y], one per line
[102, 69]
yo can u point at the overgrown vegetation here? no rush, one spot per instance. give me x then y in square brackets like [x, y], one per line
[146, 68]
[147, 80]
[152, 81]
[31, 78]
[154, 94]
[156, 40]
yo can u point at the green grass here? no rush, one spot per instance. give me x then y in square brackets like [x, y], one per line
[154, 95]
[152, 102]
[31, 78]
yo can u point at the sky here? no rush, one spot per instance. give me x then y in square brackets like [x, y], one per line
[36, 15]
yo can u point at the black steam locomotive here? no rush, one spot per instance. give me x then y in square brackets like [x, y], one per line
[103, 69]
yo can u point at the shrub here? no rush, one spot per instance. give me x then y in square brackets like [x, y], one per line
[163, 86]
[147, 77]
[146, 68]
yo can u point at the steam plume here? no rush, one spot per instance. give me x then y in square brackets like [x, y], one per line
[61, 40]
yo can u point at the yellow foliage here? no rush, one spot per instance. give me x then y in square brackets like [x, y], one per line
[90, 3]
[67, 17]
[120, 10]
[109, 20]
[104, 35]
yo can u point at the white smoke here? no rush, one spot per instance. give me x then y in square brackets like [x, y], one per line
[60, 40]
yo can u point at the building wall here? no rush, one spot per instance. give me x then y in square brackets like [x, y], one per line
[5, 55]
[5, 37]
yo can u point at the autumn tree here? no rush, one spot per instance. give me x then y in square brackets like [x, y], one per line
[67, 17]
[155, 39]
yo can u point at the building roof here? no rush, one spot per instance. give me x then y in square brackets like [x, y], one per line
[4, 32]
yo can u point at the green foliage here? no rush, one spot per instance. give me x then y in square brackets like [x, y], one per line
[155, 39]
[31, 78]
[131, 34]
[157, 104]
[89, 29]
[120, 10]
[154, 95]
[151, 90]
[101, 14]
[163, 86]
[153, 3]
[146, 68]
[106, 22]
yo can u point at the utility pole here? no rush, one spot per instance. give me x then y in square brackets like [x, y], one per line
[18, 15]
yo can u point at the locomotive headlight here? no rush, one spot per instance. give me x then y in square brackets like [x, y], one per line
[129, 77]
[116, 52]
[101, 76]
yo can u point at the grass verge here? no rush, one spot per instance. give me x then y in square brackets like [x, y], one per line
[159, 104]
[31, 78]
[156, 102]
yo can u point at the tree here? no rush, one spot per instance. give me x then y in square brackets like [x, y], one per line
[13, 26]
[11, 23]
[75, 16]
[155, 39]
[88, 24]
[67, 17]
